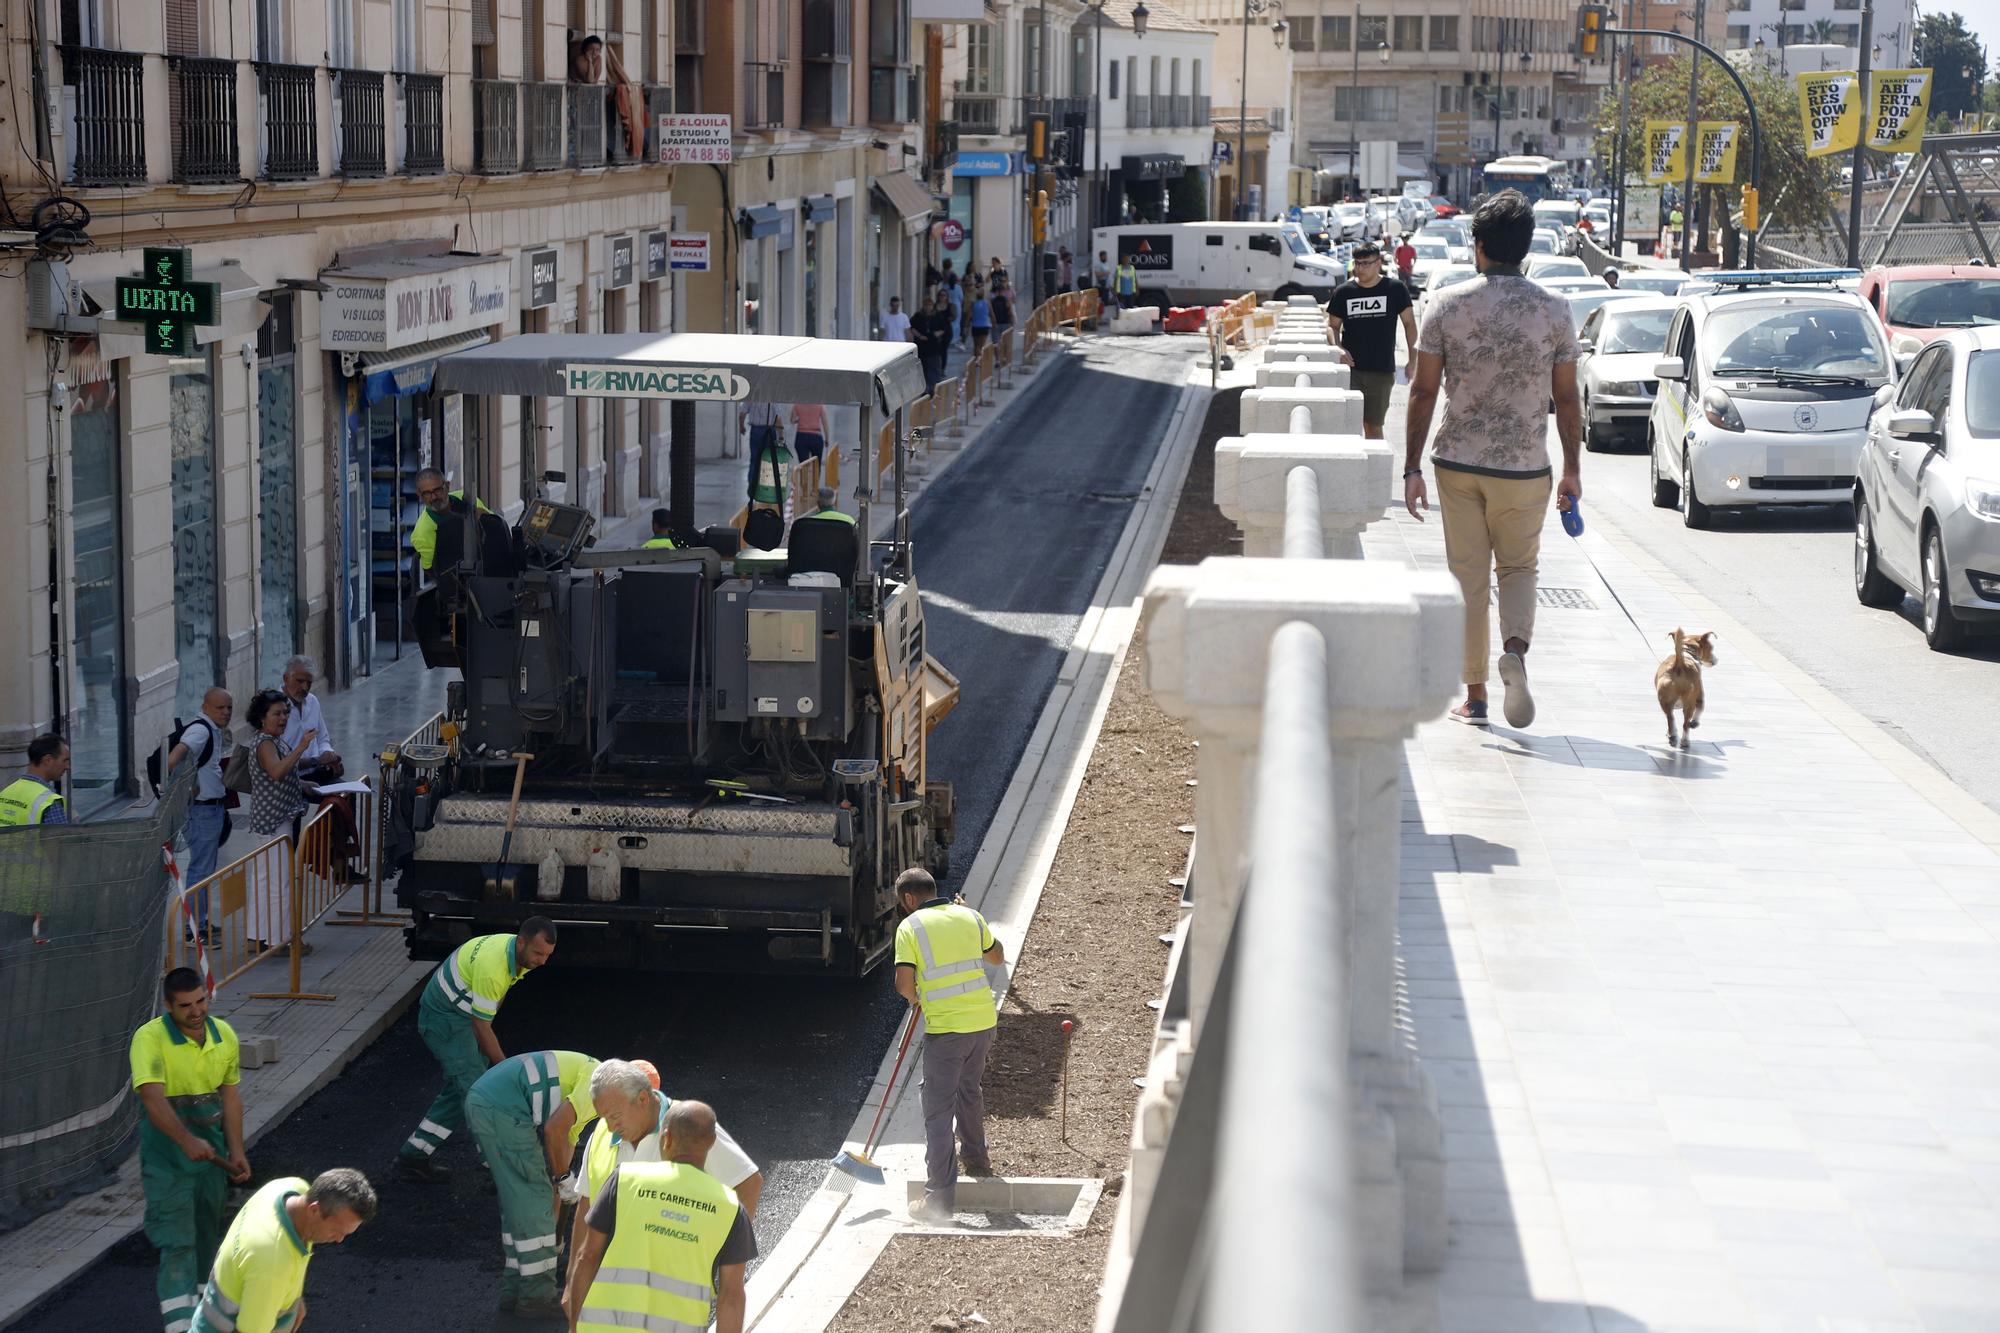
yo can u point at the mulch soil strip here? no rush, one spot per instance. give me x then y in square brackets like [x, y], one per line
[1093, 956]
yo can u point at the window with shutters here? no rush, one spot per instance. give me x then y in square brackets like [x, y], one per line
[1335, 33]
[269, 38]
[81, 23]
[407, 17]
[183, 27]
[1444, 32]
[1409, 33]
[340, 50]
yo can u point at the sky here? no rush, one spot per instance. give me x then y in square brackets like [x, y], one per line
[1981, 16]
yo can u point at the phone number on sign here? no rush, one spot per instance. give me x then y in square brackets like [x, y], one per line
[690, 153]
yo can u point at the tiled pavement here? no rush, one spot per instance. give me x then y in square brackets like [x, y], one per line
[1715, 1033]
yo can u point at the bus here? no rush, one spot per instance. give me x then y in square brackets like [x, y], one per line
[1538, 178]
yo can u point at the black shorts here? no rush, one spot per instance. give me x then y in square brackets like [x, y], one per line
[1375, 387]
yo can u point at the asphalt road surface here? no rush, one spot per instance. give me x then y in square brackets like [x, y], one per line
[1010, 544]
[1789, 575]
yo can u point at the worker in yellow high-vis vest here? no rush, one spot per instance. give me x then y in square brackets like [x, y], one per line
[36, 796]
[439, 503]
[662, 538]
[259, 1281]
[942, 948]
[663, 1240]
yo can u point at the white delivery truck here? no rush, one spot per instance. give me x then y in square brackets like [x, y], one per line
[1206, 263]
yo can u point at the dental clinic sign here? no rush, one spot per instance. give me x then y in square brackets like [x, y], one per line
[376, 310]
[712, 384]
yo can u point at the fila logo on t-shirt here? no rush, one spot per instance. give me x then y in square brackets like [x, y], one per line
[1367, 305]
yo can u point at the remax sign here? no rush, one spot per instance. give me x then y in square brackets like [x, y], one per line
[713, 384]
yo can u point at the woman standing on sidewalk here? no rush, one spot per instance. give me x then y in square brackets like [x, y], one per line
[277, 799]
[979, 318]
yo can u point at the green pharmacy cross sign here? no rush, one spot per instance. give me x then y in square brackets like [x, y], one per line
[163, 302]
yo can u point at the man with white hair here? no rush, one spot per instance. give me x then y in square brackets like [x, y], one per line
[631, 1113]
[322, 762]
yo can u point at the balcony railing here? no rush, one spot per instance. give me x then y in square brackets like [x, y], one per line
[978, 113]
[659, 102]
[889, 101]
[763, 95]
[586, 125]
[201, 105]
[423, 124]
[1203, 113]
[1183, 108]
[110, 120]
[291, 121]
[364, 144]
[541, 126]
[496, 127]
[1138, 111]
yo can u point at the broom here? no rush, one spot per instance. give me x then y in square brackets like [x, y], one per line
[858, 1164]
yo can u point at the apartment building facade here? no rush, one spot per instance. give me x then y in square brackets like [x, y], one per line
[1780, 24]
[362, 186]
[1256, 104]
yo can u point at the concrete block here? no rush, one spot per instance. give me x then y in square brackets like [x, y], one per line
[257, 1050]
[1137, 319]
[1354, 476]
[1334, 411]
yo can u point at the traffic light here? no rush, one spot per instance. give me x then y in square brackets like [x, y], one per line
[1591, 21]
[1750, 208]
[1039, 212]
[1038, 137]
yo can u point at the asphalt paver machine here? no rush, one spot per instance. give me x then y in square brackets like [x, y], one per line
[707, 758]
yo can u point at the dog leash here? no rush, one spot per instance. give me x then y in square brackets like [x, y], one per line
[1572, 521]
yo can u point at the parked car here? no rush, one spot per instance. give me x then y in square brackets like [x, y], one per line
[1765, 393]
[1927, 493]
[1585, 300]
[1432, 255]
[1621, 340]
[1355, 222]
[1542, 267]
[1561, 215]
[1444, 207]
[1455, 233]
[1439, 279]
[1652, 281]
[1922, 301]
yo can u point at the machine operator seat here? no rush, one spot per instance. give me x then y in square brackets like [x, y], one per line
[823, 546]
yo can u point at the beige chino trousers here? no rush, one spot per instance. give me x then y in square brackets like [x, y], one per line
[1493, 523]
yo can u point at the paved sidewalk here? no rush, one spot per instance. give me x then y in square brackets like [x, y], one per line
[1714, 1032]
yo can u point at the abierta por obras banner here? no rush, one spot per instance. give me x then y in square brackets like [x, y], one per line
[1666, 150]
[1899, 101]
[1715, 152]
[1830, 111]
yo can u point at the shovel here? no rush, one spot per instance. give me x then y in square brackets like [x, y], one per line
[503, 880]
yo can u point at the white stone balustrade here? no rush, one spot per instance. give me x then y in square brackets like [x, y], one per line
[1354, 476]
[1318, 374]
[1322, 352]
[1298, 301]
[1269, 410]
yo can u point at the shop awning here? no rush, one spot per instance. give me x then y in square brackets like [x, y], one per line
[1407, 168]
[704, 366]
[903, 193]
[240, 310]
[820, 208]
[760, 220]
[409, 369]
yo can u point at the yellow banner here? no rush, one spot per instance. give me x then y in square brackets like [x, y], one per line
[1715, 152]
[1666, 150]
[1899, 101]
[1830, 111]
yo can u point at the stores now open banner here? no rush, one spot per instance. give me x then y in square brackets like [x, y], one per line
[1832, 111]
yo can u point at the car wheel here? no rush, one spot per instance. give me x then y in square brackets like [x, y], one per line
[1592, 441]
[1871, 586]
[1666, 495]
[1694, 514]
[1943, 630]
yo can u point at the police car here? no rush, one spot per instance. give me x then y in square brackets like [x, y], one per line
[1766, 384]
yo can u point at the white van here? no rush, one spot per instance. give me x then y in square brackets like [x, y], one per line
[1205, 263]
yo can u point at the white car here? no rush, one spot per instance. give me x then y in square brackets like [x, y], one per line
[1355, 223]
[1439, 279]
[1432, 255]
[1543, 267]
[1583, 301]
[1652, 281]
[1455, 233]
[1621, 340]
[1765, 392]
[1927, 493]
[1561, 215]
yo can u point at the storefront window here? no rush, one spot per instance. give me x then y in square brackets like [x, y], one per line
[99, 734]
[197, 603]
[277, 492]
[753, 285]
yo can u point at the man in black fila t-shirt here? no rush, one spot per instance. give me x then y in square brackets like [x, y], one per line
[1363, 313]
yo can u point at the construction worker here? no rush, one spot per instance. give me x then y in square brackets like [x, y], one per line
[185, 1068]
[829, 508]
[660, 541]
[455, 1019]
[631, 1121]
[438, 503]
[527, 1113]
[1128, 284]
[36, 796]
[942, 947]
[259, 1281]
[663, 1274]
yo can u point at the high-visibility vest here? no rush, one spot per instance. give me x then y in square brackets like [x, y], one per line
[1128, 280]
[475, 978]
[658, 1272]
[26, 801]
[949, 939]
[659, 544]
[832, 515]
[424, 532]
[259, 1276]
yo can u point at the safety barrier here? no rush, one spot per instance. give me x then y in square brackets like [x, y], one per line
[985, 363]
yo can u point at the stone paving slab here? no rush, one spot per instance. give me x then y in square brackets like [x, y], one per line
[1712, 1030]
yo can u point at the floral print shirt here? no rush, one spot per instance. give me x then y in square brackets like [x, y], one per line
[1500, 336]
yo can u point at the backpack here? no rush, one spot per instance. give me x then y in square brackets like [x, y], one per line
[159, 752]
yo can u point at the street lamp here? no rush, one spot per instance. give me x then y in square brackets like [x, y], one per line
[1251, 9]
[1139, 16]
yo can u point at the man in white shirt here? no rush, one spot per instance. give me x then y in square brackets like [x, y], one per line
[322, 763]
[895, 324]
[207, 739]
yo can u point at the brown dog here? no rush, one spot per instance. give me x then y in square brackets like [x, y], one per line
[1678, 682]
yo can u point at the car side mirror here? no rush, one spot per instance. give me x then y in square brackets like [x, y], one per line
[1670, 368]
[1885, 393]
[1585, 343]
[1912, 423]
[1905, 345]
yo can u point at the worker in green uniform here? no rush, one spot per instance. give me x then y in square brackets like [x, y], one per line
[664, 1239]
[36, 796]
[185, 1068]
[942, 947]
[259, 1281]
[527, 1113]
[829, 508]
[439, 503]
[455, 1019]
[661, 541]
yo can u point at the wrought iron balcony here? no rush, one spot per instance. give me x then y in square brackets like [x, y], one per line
[978, 113]
[110, 118]
[585, 140]
[496, 126]
[1138, 111]
[541, 126]
[659, 102]
[201, 105]
[423, 123]
[364, 143]
[291, 121]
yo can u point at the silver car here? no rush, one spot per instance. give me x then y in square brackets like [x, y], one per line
[1621, 340]
[1927, 494]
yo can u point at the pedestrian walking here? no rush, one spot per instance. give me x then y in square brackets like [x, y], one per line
[941, 949]
[1363, 314]
[527, 1113]
[643, 1275]
[1065, 270]
[954, 292]
[1100, 277]
[277, 801]
[259, 1282]
[1003, 310]
[808, 430]
[185, 1068]
[36, 796]
[1406, 260]
[931, 332]
[632, 1118]
[1509, 347]
[895, 324]
[996, 274]
[455, 1019]
[207, 740]
[980, 319]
